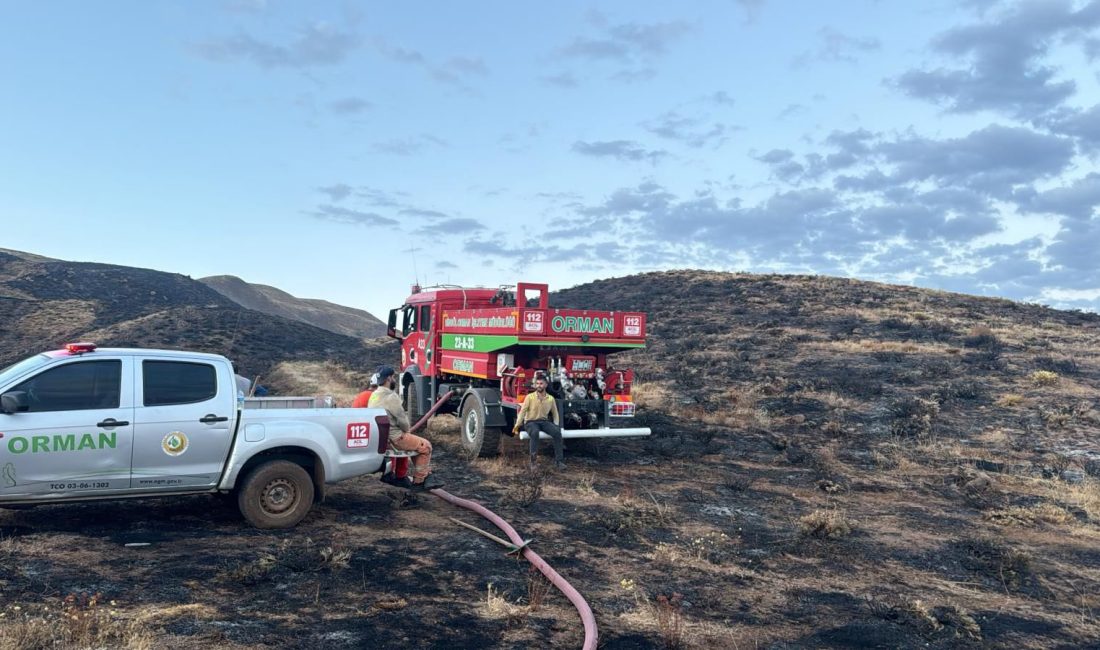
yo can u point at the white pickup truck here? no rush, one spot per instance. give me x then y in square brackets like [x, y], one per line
[85, 424]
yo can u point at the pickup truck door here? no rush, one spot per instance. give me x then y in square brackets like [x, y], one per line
[76, 437]
[183, 423]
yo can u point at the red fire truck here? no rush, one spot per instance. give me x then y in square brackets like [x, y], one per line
[485, 346]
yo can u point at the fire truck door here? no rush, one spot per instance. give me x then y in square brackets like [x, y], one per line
[424, 352]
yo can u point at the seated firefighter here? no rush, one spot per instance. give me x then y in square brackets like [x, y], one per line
[386, 397]
[539, 414]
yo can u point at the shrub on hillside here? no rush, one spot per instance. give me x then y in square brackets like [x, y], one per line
[913, 417]
[958, 390]
[825, 524]
[982, 338]
[1043, 378]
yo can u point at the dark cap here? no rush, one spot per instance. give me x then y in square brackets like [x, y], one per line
[384, 373]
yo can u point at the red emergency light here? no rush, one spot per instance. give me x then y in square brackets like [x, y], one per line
[80, 348]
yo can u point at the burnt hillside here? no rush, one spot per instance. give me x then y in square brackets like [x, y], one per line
[45, 303]
[319, 313]
[944, 440]
[875, 344]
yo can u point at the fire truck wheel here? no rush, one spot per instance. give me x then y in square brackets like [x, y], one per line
[478, 439]
[276, 494]
[412, 403]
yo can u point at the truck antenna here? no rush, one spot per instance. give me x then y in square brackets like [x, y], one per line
[412, 251]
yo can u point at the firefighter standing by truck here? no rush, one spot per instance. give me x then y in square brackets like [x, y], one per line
[386, 397]
[539, 414]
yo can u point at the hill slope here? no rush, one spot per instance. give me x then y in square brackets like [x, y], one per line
[319, 313]
[45, 303]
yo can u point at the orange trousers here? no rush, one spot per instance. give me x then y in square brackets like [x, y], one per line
[422, 463]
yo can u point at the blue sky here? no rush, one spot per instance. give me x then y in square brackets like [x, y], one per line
[341, 150]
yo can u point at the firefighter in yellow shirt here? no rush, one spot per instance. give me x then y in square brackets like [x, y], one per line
[538, 415]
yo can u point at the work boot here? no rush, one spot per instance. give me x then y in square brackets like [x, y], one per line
[560, 464]
[403, 482]
[427, 485]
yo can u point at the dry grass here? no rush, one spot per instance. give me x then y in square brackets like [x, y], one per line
[670, 620]
[864, 346]
[318, 378]
[714, 547]
[1010, 399]
[78, 622]
[998, 438]
[631, 514]
[498, 606]
[825, 524]
[929, 621]
[651, 395]
[292, 555]
[9, 549]
[914, 417]
[59, 318]
[830, 398]
[1030, 516]
[538, 586]
[498, 467]
[1084, 495]
[586, 485]
[158, 615]
[1043, 378]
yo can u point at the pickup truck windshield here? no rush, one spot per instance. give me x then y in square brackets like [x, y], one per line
[17, 369]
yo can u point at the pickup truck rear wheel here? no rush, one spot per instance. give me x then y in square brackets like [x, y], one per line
[276, 494]
[478, 439]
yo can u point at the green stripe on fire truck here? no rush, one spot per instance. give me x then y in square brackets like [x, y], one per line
[579, 344]
[477, 343]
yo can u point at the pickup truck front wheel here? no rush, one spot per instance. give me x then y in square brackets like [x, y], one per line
[276, 494]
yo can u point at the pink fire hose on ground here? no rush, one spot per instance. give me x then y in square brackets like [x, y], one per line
[590, 633]
[589, 620]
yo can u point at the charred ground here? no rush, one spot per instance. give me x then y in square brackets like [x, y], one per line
[834, 464]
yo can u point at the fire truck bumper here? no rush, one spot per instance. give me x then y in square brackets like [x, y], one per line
[594, 433]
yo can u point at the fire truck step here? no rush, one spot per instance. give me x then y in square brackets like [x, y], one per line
[594, 433]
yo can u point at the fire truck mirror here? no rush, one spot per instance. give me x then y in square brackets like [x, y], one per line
[391, 324]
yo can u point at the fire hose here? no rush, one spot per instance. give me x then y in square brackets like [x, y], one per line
[589, 620]
[520, 546]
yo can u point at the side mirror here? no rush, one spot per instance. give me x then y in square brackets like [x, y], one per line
[13, 402]
[391, 325]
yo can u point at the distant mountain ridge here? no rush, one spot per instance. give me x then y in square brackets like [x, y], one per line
[45, 303]
[276, 302]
